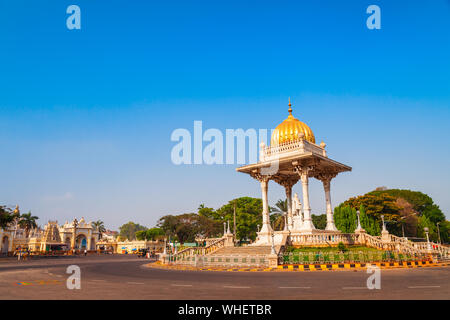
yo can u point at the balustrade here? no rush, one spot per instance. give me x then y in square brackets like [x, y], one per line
[301, 146]
[185, 255]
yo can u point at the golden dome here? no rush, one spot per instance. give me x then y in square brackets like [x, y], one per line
[291, 130]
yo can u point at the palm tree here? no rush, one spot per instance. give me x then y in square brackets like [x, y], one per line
[278, 212]
[28, 222]
[99, 225]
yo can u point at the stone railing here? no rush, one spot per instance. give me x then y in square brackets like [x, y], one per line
[206, 241]
[398, 239]
[393, 242]
[404, 245]
[323, 239]
[301, 146]
[433, 247]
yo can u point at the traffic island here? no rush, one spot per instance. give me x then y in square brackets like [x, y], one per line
[305, 267]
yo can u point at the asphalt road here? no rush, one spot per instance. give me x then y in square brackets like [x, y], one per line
[126, 277]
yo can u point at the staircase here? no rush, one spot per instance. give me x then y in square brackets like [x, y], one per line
[243, 251]
[221, 254]
[405, 246]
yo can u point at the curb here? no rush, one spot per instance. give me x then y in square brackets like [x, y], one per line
[307, 267]
[340, 266]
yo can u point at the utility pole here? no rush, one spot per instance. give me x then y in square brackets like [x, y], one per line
[234, 220]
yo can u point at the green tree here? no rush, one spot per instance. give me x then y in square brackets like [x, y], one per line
[345, 218]
[6, 217]
[206, 212]
[424, 222]
[141, 235]
[319, 221]
[208, 227]
[27, 221]
[187, 227]
[248, 216]
[416, 201]
[128, 230]
[444, 230]
[168, 224]
[419, 200]
[154, 234]
[184, 227]
[369, 224]
[376, 205]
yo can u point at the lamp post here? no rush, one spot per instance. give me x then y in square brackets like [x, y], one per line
[439, 233]
[358, 227]
[234, 220]
[428, 238]
[403, 222]
[273, 243]
[74, 233]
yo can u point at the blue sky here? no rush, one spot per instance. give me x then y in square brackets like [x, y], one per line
[86, 115]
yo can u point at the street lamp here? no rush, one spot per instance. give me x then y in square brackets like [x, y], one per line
[403, 222]
[439, 233]
[384, 225]
[358, 227]
[428, 238]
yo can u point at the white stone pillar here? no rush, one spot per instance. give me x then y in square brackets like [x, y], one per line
[290, 220]
[307, 220]
[330, 220]
[265, 202]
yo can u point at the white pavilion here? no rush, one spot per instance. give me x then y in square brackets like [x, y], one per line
[293, 155]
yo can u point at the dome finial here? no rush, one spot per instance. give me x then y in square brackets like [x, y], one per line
[290, 109]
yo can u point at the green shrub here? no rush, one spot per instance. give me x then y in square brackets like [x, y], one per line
[342, 247]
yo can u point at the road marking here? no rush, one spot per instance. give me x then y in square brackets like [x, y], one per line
[423, 287]
[235, 287]
[353, 288]
[181, 285]
[294, 287]
[135, 282]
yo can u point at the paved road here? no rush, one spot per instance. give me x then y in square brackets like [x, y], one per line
[125, 277]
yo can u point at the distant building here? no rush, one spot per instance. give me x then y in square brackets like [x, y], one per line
[78, 235]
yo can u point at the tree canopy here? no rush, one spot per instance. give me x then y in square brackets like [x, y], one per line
[6, 216]
[248, 216]
[208, 222]
[150, 234]
[402, 209]
[129, 229]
